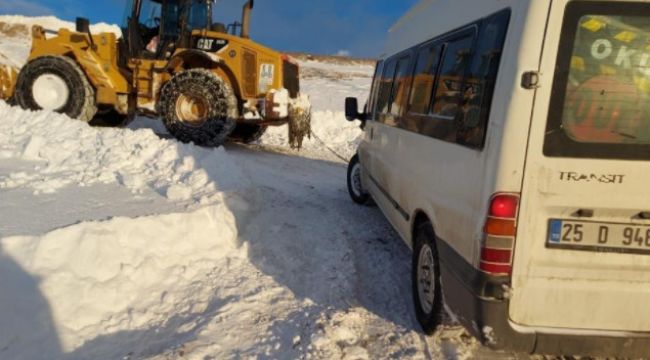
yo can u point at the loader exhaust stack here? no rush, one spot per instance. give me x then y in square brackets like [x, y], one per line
[246, 19]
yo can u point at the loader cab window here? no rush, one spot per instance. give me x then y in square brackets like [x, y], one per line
[198, 17]
[128, 11]
[149, 17]
[181, 18]
[171, 21]
[149, 25]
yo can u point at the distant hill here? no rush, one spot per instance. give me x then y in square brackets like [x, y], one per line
[333, 59]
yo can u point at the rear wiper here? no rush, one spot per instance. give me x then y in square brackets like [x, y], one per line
[624, 135]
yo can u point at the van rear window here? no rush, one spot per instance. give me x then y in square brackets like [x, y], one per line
[600, 107]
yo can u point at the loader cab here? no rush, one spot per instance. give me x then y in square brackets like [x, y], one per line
[154, 28]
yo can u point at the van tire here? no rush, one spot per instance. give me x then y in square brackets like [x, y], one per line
[355, 188]
[62, 73]
[426, 265]
[198, 106]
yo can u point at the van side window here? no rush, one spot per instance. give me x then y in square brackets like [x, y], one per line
[481, 79]
[385, 87]
[447, 93]
[424, 79]
[400, 89]
[372, 101]
[452, 72]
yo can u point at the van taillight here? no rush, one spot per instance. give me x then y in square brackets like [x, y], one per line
[500, 231]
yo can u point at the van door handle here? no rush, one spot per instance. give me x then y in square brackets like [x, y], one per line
[584, 213]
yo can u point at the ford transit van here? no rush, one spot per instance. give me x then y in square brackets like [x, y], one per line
[508, 142]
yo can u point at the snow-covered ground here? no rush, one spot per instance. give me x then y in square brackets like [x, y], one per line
[122, 244]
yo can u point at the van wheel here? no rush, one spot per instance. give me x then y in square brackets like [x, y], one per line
[358, 194]
[427, 292]
[56, 83]
[198, 106]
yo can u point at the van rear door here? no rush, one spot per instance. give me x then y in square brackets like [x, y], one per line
[582, 259]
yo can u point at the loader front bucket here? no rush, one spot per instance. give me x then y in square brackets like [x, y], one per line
[8, 77]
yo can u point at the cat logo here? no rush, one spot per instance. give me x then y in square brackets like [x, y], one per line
[205, 44]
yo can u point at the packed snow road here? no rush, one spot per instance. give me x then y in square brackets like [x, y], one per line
[272, 261]
[309, 275]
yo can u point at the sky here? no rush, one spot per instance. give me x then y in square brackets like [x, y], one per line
[328, 27]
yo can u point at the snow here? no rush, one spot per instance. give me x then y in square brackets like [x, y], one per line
[80, 155]
[125, 244]
[116, 278]
[15, 44]
[54, 24]
[15, 35]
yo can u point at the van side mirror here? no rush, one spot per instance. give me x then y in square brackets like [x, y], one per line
[352, 110]
[83, 25]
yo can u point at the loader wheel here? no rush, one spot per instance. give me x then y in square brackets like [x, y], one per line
[198, 106]
[56, 83]
[247, 133]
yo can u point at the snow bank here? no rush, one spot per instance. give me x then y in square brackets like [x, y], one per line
[16, 40]
[53, 23]
[73, 153]
[15, 44]
[103, 285]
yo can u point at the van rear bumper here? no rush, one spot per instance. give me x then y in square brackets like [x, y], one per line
[481, 306]
[498, 333]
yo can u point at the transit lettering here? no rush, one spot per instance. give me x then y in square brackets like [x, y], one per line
[600, 178]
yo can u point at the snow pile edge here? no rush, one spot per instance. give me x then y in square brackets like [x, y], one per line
[54, 23]
[148, 277]
[69, 152]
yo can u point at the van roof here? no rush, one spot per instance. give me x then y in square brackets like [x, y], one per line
[410, 13]
[430, 18]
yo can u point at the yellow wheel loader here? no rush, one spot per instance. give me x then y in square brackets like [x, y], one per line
[207, 81]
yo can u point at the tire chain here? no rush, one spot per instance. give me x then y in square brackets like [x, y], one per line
[217, 93]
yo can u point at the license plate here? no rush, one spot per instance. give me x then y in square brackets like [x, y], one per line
[595, 236]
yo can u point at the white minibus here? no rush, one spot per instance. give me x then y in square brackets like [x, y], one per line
[508, 143]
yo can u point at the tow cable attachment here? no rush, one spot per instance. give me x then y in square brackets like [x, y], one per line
[299, 121]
